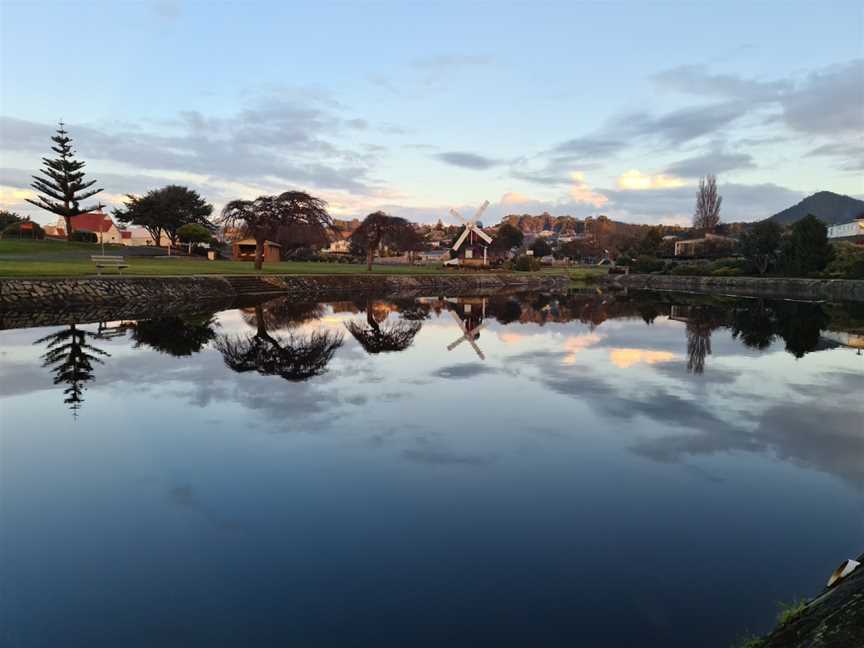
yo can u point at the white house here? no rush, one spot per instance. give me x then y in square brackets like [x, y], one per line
[853, 230]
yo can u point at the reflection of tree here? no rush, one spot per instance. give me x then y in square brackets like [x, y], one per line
[384, 336]
[176, 336]
[283, 313]
[295, 358]
[412, 310]
[71, 360]
[505, 310]
[700, 324]
[800, 325]
[755, 325]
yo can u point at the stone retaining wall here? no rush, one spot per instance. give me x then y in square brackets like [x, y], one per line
[58, 294]
[776, 287]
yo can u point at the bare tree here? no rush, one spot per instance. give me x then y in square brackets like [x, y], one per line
[707, 215]
[263, 217]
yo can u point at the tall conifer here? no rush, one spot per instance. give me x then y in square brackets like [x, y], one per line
[63, 187]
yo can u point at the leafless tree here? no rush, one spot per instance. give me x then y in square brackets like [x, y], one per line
[265, 216]
[707, 215]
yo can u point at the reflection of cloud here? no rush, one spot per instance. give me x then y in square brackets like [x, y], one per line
[434, 457]
[461, 371]
[624, 358]
[510, 338]
[576, 343]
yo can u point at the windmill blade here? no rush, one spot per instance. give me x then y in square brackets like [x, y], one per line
[461, 238]
[453, 345]
[476, 349]
[456, 214]
[480, 211]
[474, 331]
[483, 235]
[459, 322]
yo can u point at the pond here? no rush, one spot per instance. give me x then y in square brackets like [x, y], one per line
[573, 469]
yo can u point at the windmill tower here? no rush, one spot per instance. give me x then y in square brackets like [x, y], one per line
[470, 249]
[470, 326]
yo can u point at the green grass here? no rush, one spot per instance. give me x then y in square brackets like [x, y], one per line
[22, 258]
[790, 611]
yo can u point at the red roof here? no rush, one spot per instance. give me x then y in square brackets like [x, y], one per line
[91, 222]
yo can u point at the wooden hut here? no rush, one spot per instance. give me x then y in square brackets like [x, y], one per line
[245, 251]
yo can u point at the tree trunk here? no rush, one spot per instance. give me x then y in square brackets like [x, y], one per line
[369, 258]
[68, 220]
[259, 253]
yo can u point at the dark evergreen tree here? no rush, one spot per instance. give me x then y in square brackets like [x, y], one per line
[63, 187]
[166, 210]
[807, 251]
[71, 359]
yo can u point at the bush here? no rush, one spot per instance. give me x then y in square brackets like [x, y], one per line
[302, 254]
[647, 264]
[80, 236]
[691, 270]
[848, 262]
[31, 231]
[526, 263]
[624, 260]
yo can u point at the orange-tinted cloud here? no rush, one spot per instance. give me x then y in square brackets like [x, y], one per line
[625, 358]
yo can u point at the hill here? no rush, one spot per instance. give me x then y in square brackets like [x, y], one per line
[827, 206]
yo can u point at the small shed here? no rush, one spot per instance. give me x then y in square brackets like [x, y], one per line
[245, 251]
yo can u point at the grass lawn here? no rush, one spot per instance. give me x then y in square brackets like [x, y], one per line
[62, 259]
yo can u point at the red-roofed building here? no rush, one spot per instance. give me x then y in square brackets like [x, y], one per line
[97, 222]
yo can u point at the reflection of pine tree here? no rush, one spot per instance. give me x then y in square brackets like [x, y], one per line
[71, 360]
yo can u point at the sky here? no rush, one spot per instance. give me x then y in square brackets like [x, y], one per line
[575, 108]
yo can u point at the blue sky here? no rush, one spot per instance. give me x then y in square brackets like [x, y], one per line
[575, 108]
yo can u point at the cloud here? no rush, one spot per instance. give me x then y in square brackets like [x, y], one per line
[635, 179]
[466, 160]
[713, 162]
[682, 125]
[828, 101]
[451, 61]
[697, 80]
[848, 153]
[581, 193]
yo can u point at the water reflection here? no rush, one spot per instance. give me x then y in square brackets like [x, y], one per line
[70, 357]
[295, 357]
[176, 336]
[379, 334]
[469, 315]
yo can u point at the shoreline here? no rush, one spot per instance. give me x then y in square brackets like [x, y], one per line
[65, 293]
[767, 287]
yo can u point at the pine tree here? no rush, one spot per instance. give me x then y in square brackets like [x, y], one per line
[71, 359]
[63, 188]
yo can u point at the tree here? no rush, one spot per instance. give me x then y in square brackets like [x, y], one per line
[507, 237]
[62, 186]
[384, 337]
[707, 214]
[7, 218]
[194, 233]
[263, 217]
[379, 229]
[71, 359]
[541, 248]
[177, 336]
[650, 243]
[166, 210]
[295, 358]
[761, 243]
[807, 249]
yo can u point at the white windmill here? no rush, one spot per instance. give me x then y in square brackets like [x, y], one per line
[469, 237]
[469, 335]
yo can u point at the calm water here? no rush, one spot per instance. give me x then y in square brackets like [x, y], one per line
[582, 470]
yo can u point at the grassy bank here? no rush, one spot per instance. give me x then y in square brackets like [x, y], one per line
[62, 259]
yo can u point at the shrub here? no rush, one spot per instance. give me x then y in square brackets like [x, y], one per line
[647, 264]
[848, 261]
[624, 260]
[526, 263]
[691, 270]
[7, 218]
[82, 236]
[31, 230]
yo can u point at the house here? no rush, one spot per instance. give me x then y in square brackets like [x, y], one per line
[699, 246]
[852, 232]
[244, 250]
[97, 222]
[140, 237]
[339, 246]
[432, 256]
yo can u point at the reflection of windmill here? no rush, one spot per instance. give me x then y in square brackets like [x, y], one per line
[470, 244]
[470, 327]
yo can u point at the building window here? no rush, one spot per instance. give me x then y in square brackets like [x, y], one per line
[469, 254]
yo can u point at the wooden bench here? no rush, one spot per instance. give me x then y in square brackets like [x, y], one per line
[116, 262]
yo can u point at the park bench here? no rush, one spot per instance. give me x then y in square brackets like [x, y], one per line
[104, 261]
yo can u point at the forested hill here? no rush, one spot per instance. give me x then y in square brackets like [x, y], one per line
[827, 206]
